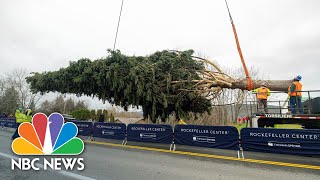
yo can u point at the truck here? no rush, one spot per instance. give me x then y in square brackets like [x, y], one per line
[310, 119]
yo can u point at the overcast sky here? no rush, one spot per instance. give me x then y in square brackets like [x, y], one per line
[279, 37]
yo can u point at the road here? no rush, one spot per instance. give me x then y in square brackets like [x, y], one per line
[108, 162]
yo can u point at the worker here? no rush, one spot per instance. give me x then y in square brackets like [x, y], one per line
[20, 118]
[262, 94]
[294, 93]
[181, 121]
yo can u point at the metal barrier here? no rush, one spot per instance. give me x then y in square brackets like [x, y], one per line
[213, 137]
[282, 106]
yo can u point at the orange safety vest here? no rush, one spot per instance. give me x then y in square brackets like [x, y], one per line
[262, 93]
[298, 88]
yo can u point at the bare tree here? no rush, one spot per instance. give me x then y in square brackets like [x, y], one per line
[45, 107]
[69, 106]
[2, 85]
[58, 104]
[16, 79]
[9, 100]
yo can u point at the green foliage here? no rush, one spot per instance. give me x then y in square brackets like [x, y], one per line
[131, 80]
[105, 113]
[112, 119]
[99, 111]
[81, 114]
[80, 105]
[9, 101]
[93, 115]
[58, 104]
[61, 105]
[69, 106]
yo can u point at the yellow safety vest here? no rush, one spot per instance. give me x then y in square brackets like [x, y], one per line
[21, 117]
[262, 93]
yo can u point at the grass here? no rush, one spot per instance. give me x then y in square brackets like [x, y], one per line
[277, 126]
[288, 126]
[239, 126]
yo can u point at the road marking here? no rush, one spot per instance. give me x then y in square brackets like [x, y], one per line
[306, 166]
[62, 172]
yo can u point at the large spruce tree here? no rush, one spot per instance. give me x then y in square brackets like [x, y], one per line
[132, 80]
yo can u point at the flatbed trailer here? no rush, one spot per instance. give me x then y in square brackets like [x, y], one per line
[307, 121]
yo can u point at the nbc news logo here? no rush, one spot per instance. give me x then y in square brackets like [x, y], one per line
[48, 136]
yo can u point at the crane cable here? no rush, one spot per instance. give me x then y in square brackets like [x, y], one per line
[115, 39]
[249, 80]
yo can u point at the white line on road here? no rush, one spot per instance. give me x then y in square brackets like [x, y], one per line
[65, 173]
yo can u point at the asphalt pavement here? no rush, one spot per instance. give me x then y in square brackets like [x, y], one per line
[110, 162]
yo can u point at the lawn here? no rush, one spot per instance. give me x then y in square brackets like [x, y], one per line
[278, 126]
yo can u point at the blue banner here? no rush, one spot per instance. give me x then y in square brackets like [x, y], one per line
[3, 122]
[285, 141]
[109, 130]
[150, 133]
[84, 127]
[11, 123]
[223, 137]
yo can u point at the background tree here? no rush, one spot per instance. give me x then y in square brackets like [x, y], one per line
[58, 104]
[61, 105]
[32, 106]
[112, 118]
[81, 114]
[9, 101]
[99, 112]
[105, 113]
[17, 79]
[69, 106]
[80, 105]
[2, 85]
[45, 107]
[93, 115]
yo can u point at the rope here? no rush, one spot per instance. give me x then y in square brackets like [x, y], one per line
[115, 39]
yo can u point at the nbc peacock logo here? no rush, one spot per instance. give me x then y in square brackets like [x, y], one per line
[47, 136]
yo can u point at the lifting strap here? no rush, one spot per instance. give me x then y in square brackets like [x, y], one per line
[249, 80]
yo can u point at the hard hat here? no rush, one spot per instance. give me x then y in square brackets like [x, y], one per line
[298, 78]
[264, 84]
[181, 122]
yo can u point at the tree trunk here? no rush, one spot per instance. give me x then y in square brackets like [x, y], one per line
[273, 85]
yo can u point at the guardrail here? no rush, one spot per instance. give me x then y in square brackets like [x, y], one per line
[8, 122]
[282, 105]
